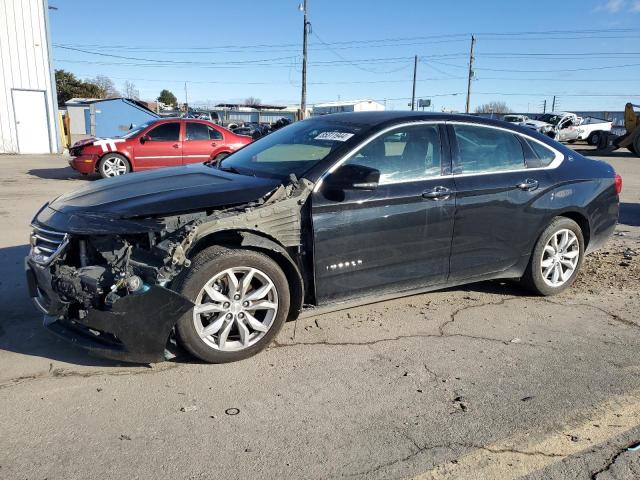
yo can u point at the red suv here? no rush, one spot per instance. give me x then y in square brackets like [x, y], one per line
[159, 143]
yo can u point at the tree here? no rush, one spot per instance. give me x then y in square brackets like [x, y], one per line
[69, 86]
[106, 85]
[493, 107]
[167, 98]
[131, 91]
[252, 102]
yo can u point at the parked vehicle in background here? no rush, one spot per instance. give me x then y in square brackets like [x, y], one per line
[254, 130]
[511, 118]
[158, 143]
[330, 212]
[630, 137]
[569, 127]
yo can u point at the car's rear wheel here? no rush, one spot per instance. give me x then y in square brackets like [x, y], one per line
[556, 258]
[113, 165]
[218, 158]
[241, 301]
[594, 138]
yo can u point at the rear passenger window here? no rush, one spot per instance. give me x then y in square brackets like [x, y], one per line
[544, 156]
[482, 149]
[201, 131]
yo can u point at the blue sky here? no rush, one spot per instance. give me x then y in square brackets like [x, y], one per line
[587, 52]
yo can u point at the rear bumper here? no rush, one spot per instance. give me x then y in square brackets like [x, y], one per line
[84, 163]
[135, 329]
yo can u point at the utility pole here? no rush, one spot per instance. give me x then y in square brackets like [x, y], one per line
[186, 99]
[553, 105]
[471, 59]
[303, 96]
[413, 93]
[544, 106]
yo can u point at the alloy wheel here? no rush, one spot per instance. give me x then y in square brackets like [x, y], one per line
[560, 258]
[114, 166]
[235, 308]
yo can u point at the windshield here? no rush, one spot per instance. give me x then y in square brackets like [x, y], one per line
[136, 130]
[550, 118]
[292, 149]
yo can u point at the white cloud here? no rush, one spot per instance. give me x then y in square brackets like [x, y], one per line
[613, 6]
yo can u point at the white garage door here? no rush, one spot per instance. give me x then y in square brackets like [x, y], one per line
[31, 121]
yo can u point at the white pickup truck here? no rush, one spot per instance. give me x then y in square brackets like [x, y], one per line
[568, 127]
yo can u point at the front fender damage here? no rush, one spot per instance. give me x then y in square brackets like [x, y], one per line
[115, 288]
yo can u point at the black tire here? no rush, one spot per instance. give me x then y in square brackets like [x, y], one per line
[636, 146]
[594, 138]
[533, 278]
[632, 149]
[218, 158]
[110, 160]
[205, 266]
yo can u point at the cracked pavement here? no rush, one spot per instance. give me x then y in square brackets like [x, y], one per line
[481, 381]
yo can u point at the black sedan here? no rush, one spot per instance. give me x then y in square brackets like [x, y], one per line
[327, 213]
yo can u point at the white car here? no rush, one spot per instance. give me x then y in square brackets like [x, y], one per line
[515, 118]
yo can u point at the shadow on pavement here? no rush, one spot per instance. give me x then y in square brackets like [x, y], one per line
[65, 173]
[629, 214]
[620, 153]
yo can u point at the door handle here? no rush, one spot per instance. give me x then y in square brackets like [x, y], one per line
[176, 145]
[213, 144]
[437, 193]
[528, 185]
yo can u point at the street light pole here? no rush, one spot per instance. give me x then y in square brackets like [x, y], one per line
[471, 59]
[303, 96]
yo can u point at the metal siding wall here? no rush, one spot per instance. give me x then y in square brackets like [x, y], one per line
[24, 64]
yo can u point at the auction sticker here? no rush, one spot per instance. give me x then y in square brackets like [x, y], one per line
[334, 136]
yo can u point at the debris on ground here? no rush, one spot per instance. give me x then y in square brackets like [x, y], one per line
[191, 408]
[616, 265]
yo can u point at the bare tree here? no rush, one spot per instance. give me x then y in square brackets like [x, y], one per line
[252, 102]
[131, 91]
[106, 85]
[493, 107]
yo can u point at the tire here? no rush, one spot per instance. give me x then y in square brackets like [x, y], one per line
[636, 146]
[218, 158]
[113, 165]
[235, 333]
[632, 149]
[534, 277]
[593, 138]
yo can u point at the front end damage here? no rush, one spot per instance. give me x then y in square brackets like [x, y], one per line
[104, 283]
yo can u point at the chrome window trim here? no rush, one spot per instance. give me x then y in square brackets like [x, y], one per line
[556, 162]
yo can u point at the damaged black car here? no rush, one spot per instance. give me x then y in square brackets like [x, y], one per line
[327, 213]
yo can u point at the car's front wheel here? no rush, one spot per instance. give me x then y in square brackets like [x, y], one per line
[556, 258]
[113, 165]
[241, 301]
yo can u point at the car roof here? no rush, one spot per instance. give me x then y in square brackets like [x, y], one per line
[391, 117]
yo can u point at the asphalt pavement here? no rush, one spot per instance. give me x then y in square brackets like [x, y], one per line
[481, 381]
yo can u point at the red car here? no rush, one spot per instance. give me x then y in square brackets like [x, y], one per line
[159, 143]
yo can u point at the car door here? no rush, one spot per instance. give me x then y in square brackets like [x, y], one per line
[397, 236]
[202, 142]
[495, 224]
[159, 147]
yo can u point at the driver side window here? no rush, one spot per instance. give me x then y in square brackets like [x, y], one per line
[409, 153]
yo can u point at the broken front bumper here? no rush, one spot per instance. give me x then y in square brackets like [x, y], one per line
[135, 329]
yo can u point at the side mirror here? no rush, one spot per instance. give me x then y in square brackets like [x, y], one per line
[144, 138]
[353, 177]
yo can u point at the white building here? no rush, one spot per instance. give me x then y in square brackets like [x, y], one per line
[28, 105]
[346, 106]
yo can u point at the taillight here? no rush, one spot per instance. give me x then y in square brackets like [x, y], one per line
[618, 183]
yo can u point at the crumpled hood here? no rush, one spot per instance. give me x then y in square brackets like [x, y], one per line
[162, 192]
[537, 124]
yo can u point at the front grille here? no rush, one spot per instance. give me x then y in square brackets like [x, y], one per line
[47, 244]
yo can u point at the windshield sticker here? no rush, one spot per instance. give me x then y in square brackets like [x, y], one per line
[334, 136]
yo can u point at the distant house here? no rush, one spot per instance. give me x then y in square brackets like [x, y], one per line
[110, 117]
[346, 106]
